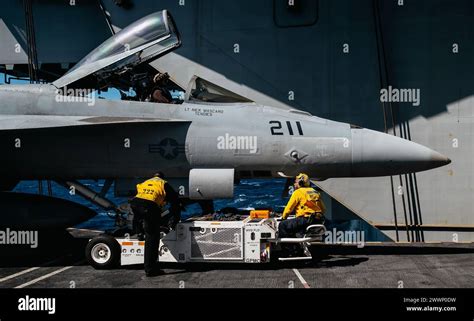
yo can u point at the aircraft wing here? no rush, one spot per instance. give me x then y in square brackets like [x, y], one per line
[91, 146]
[19, 122]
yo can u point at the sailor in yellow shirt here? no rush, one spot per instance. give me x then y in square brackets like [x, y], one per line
[307, 205]
[147, 205]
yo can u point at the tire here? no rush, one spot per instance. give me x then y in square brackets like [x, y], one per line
[318, 255]
[103, 252]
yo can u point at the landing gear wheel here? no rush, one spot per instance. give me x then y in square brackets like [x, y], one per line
[103, 252]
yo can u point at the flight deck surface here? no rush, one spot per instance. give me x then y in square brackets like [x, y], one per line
[374, 266]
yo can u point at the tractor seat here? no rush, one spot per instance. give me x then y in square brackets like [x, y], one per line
[315, 231]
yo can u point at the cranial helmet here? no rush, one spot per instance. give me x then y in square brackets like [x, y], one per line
[303, 180]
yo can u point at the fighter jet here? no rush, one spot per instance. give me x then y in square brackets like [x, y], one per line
[204, 143]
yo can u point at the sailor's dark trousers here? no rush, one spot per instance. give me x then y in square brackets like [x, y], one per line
[150, 212]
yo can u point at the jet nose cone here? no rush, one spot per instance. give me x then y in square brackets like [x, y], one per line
[438, 158]
[378, 154]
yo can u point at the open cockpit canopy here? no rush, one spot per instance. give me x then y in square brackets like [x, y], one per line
[141, 42]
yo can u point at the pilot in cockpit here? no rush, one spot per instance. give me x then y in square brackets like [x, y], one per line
[152, 89]
[160, 93]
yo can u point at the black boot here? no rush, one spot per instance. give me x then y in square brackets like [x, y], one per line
[156, 272]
